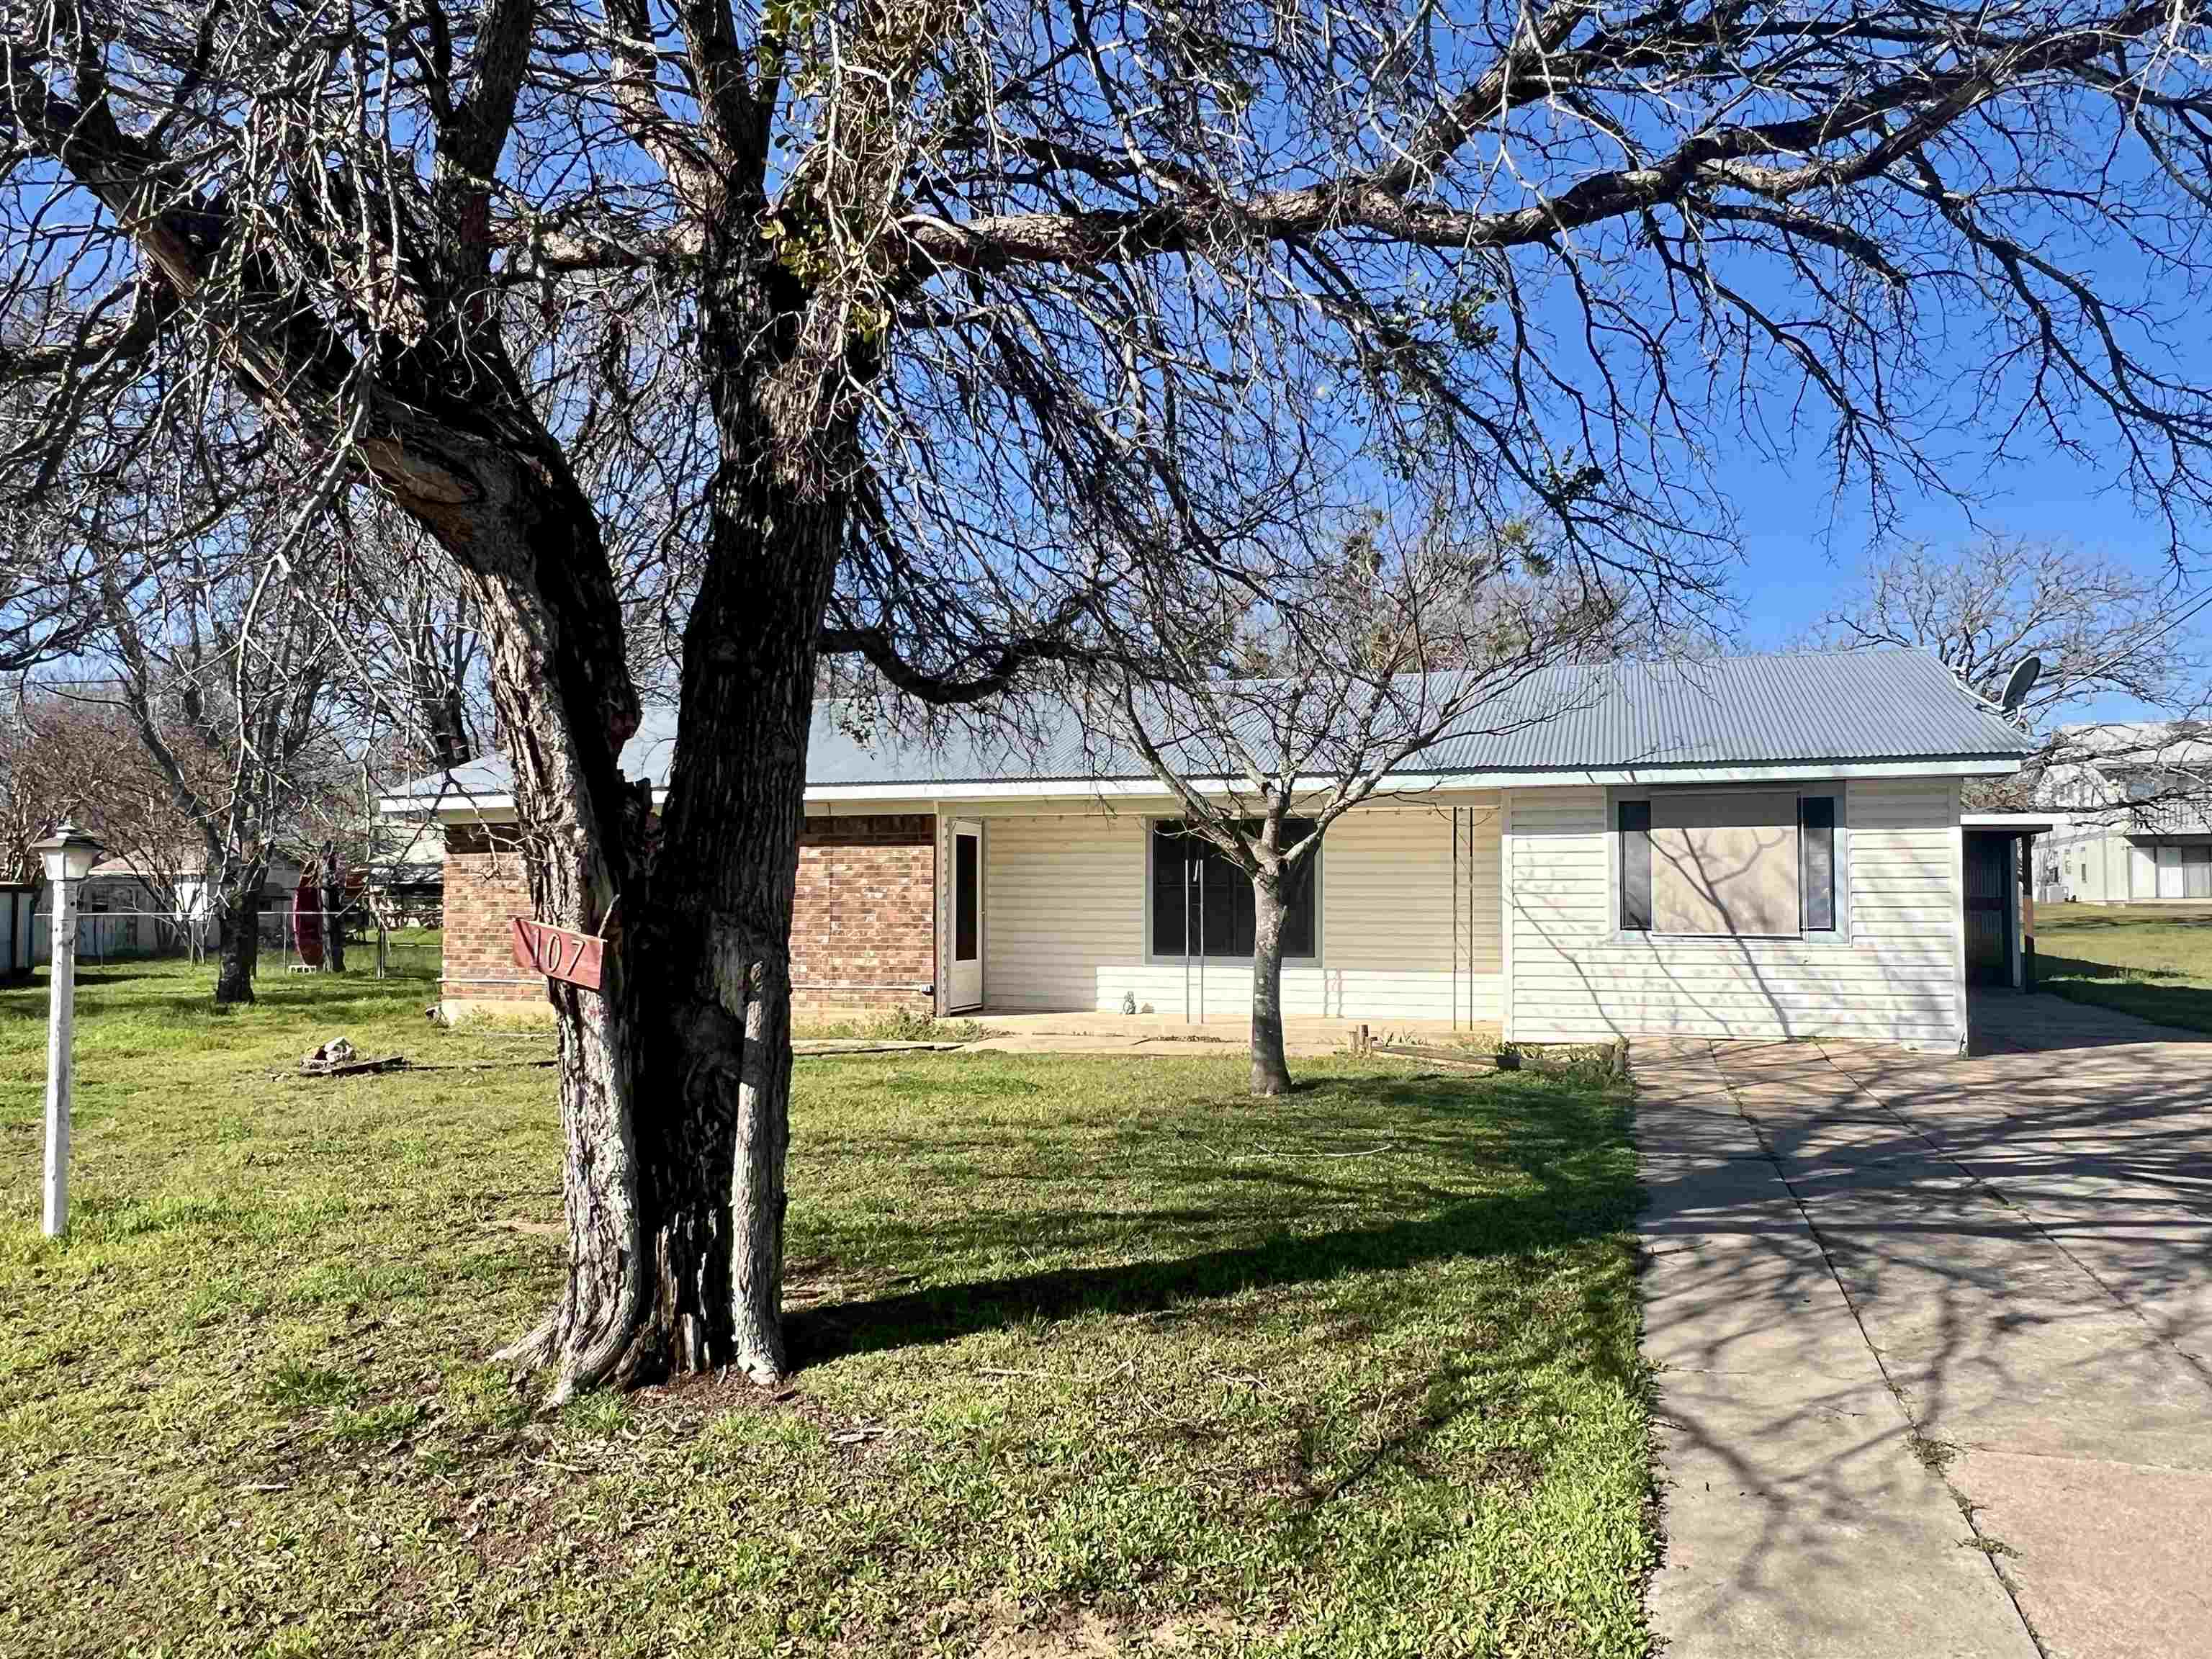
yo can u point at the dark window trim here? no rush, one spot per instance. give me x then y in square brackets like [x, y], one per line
[1836, 789]
[1315, 877]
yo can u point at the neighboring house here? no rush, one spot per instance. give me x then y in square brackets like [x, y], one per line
[136, 906]
[400, 878]
[1756, 846]
[2138, 814]
[401, 895]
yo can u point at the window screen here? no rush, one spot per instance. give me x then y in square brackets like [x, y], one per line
[1202, 902]
[1816, 822]
[1725, 863]
[1636, 866]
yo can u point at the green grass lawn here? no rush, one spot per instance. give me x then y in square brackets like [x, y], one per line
[2151, 960]
[1098, 1357]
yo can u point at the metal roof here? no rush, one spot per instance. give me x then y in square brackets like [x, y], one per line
[1793, 709]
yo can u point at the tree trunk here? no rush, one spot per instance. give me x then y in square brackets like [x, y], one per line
[712, 952]
[483, 477]
[241, 948]
[553, 633]
[1271, 1067]
[725, 872]
[675, 1078]
[438, 707]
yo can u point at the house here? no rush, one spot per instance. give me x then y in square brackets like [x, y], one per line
[397, 876]
[144, 905]
[2137, 797]
[401, 895]
[1757, 846]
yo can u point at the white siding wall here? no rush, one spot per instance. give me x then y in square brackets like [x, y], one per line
[1575, 979]
[1064, 916]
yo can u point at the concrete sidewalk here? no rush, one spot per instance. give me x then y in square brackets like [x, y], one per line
[1930, 1336]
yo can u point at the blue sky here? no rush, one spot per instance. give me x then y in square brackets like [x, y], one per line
[1801, 556]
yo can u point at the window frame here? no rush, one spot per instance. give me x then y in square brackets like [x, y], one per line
[1176, 958]
[1838, 789]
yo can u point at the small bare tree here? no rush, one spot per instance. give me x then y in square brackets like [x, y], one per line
[1267, 725]
[223, 667]
[68, 750]
[408, 638]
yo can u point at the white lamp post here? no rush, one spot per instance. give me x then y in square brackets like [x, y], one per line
[69, 854]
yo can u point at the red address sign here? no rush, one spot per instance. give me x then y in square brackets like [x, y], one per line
[574, 958]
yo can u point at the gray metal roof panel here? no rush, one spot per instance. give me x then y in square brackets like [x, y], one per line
[1812, 708]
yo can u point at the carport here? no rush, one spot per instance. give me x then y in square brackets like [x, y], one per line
[1932, 1341]
[1997, 851]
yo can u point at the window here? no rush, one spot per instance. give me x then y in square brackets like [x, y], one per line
[1730, 863]
[2184, 871]
[1816, 841]
[1199, 895]
[966, 910]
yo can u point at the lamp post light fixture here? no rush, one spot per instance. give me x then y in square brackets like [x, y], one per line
[69, 854]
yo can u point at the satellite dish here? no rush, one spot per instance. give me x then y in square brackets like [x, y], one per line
[2021, 682]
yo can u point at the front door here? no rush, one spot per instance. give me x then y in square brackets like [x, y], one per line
[966, 988]
[1989, 911]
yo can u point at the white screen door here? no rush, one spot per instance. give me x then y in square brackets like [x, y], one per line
[2142, 872]
[966, 988]
[2170, 878]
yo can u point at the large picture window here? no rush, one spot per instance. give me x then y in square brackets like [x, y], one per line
[1202, 902]
[1728, 863]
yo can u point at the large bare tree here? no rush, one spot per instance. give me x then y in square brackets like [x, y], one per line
[944, 298]
[223, 667]
[2102, 629]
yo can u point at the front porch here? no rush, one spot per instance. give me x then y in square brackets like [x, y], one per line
[1303, 1037]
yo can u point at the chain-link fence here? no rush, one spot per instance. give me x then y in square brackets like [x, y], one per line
[107, 934]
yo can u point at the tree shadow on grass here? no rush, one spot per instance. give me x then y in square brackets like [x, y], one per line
[1503, 1224]
[2163, 996]
[2128, 919]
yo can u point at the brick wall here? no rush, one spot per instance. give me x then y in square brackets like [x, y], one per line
[864, 921]
[484, 886]
[863, 931]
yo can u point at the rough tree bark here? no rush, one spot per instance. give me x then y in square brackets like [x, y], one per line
[444, 718]
[1271, 1066]
[513, 515]
[718, 1008]
[241, 946]
[676, 1078]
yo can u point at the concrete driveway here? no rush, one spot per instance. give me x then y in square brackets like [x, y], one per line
[1933, 1340]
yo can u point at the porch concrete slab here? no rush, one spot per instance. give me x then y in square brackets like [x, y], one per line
[2107, 1560]
[2012, 1253]
[2044, 1024]
[1083, 1031]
